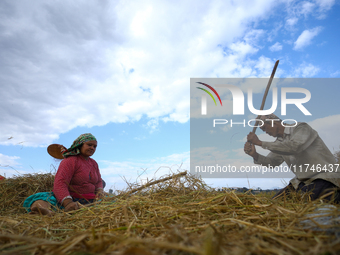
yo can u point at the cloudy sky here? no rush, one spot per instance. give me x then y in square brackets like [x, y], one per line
[121, 70]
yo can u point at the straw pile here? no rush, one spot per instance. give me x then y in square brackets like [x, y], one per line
[15, 190]
[179, 216]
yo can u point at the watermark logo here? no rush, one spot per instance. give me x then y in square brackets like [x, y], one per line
[204, 98]
[238, 100]
[219, 121]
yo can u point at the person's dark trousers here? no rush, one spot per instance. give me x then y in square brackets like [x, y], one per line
[83, 201]
[317, 189]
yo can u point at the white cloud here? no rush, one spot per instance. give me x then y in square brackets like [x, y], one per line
[8, 161]
[327, 128]
[137, 171]
[265, 65]
[140, 138]
[80, 63]
[276, 47]
[83, 64]
[9, 166]
[335, 74]
[306, 8]
[291, 22]
[253, 36]
[306, 70]
[324, 6]
[306, 37]
[242, 49]
[277, 27]
[152, 125]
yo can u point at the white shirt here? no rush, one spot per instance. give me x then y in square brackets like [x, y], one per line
[303, 150]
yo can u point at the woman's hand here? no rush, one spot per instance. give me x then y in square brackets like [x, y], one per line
[100, 194]
[69, 205]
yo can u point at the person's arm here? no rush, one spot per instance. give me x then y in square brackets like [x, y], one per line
[99, 191]
[63, 178]
[302, 136]
[61, 184]
[271, 159]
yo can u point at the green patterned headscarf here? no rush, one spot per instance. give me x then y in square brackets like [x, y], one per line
[74, 149]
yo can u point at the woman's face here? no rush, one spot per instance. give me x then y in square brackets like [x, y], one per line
[88, 148]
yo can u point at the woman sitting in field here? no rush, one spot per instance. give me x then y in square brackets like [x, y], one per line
[78, 180]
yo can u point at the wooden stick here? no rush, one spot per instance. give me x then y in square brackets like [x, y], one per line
[266, 92]
[155, 182]
[137, 189]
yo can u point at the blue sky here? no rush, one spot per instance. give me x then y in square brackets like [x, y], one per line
[122, 70]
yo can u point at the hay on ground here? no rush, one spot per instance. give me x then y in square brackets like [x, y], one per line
[179, 216]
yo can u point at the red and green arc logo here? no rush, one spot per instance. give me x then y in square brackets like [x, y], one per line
[213, 90]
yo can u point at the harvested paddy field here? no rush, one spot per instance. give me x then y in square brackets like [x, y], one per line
[179, 216]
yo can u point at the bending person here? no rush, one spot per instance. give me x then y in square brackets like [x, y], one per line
[77, 180]
[304, 152]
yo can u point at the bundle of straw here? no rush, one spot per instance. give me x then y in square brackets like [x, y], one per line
[181, 215]
[15, 190]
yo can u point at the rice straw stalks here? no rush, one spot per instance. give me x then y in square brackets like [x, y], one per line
[179, 215]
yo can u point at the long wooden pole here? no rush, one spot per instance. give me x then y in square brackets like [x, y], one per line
[266, 92]
[155, 182]
[140, 188]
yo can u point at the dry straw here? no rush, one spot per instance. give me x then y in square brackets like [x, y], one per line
[181, 215]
